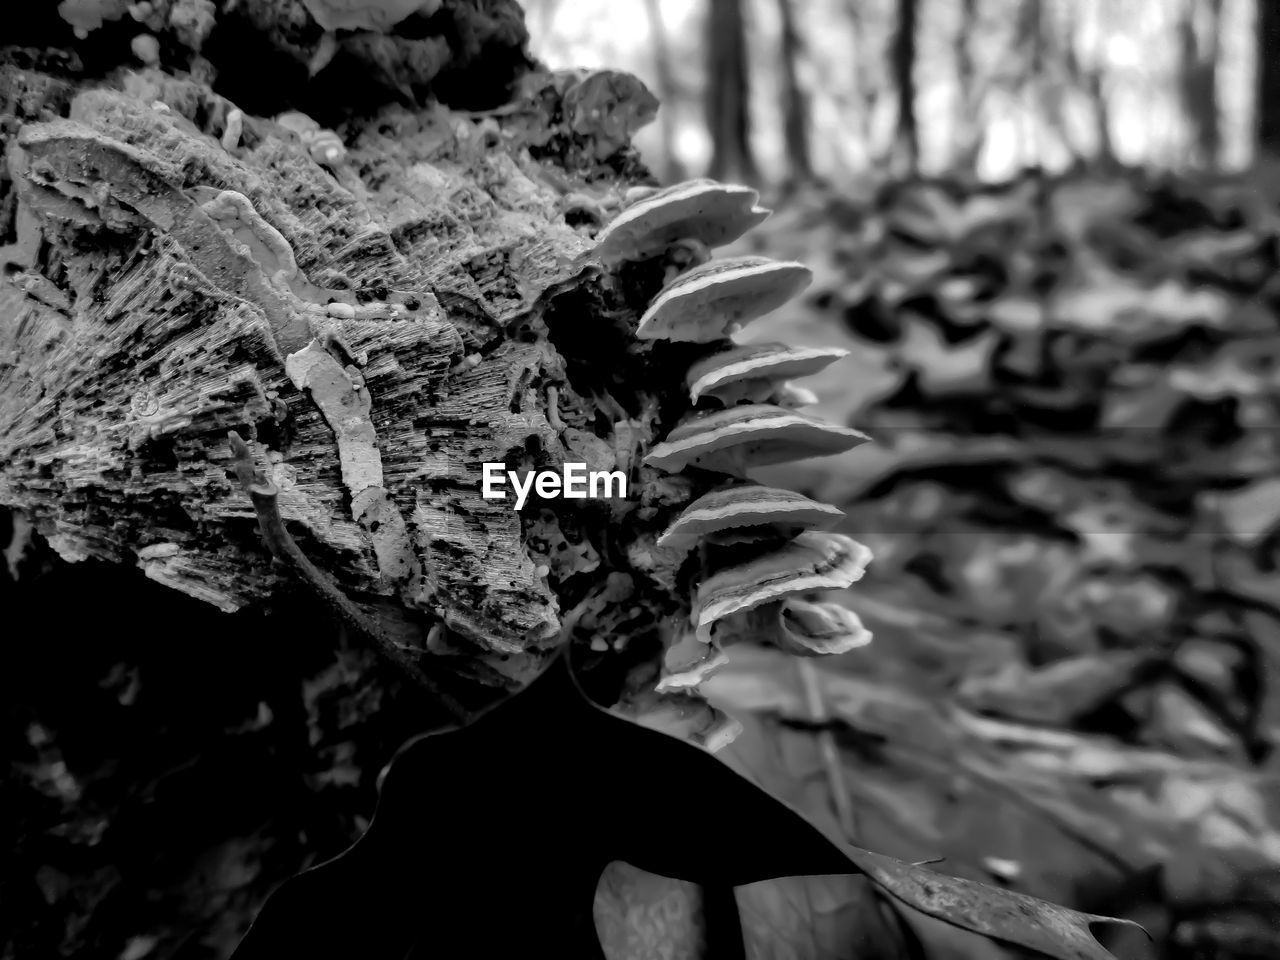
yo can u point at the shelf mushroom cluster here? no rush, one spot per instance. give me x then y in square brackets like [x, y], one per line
[763, 549]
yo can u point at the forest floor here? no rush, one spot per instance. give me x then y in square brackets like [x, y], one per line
[1074, 686]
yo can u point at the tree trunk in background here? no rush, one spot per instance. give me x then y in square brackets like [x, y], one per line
[795, 106]
[728, 95]
[967, 131]
[866, 93]
[542, 16]
[1089, 81]
[1268, 102]
[1046, 71]
[672, 168]
[906, 152]
[1198, 39]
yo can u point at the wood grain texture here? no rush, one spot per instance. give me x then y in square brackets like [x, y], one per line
[378, 328]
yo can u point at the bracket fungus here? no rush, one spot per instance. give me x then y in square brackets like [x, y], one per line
[773, 540]
[754, 371]
[324, 146]
[791, 396]
[703, 210]
[683, 255]
[800, 627]
[812, 561]
[738, 438]
[745, 506]
[707, 302]
[809, 629]
[688, 676]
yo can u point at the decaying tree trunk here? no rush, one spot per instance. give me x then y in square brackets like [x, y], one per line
[379, 311]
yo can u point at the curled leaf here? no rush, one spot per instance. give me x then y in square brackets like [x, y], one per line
[995, 912]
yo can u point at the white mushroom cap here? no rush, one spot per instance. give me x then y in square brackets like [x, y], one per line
[809, 629]
[701, 305]
[791, 396]
[738, 438]
[634, 195]
[769, 362]
[812, 561]
[748, 505]
[686, 716]
[689, 677]
[705, 210]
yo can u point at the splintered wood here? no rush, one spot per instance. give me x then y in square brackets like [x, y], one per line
[165, 290]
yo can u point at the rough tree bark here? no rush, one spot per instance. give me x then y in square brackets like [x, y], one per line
[378, 321]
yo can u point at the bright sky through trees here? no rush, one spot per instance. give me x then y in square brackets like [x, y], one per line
[1133, 42]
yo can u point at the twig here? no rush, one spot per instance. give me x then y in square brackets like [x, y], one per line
[553, 409]
[264, 493]
[827, 747]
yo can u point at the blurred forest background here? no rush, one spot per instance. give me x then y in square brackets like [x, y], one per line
[771, 91]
